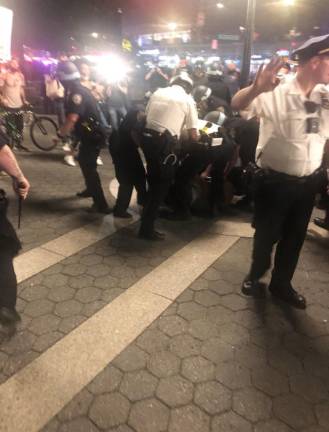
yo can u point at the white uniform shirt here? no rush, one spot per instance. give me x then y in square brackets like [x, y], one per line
[11, 84]
[284, 145]
[171, 108]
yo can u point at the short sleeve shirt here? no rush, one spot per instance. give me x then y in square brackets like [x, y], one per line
[82, 102]
[171, 109]
[284, 144]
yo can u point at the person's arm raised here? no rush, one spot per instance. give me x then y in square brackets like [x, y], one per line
[266, 80]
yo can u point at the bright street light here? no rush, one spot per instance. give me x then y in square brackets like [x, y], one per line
[172, 26]
[95, 35]
[288, 2]
[220, 5]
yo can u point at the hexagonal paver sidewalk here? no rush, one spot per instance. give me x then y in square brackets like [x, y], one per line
[216, 361]
[59, 299]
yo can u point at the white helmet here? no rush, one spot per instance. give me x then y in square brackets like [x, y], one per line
[183, 77]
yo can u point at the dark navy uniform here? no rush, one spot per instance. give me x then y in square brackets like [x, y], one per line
[9, 247]
[88, 131]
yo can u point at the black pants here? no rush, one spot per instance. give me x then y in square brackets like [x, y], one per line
[282, 212]
[195, 158]
[159, 176]
[130, 176]
[8, 281]
[88, 154]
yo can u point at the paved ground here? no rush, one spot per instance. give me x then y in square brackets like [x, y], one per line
[215, 361]
[209, 360]
[53, 209]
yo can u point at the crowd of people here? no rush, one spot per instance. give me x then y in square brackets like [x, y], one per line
[198, 133]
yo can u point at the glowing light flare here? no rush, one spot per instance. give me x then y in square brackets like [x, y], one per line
[288, 2]
[112, 68]
[220, 5]
[94, 35]
[6, 25]
[172, 26]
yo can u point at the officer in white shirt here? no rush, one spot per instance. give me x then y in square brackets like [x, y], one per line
[169, 110]
[294, 128]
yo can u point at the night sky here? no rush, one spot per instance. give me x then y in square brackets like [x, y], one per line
[49, 24]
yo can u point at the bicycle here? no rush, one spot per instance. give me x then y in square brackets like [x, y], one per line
[42, 129]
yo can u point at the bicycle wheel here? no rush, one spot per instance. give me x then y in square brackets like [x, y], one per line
[42, 131]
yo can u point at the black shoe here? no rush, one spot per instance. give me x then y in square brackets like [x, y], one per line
[9, 316]
[152, 236]
[84, 194]
[122, 214]
[322, 223]
[290, 296]
[103, 210]
[253, 288]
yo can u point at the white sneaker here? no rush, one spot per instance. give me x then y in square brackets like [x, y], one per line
[99, 161]
[69, 160]
[66, 147]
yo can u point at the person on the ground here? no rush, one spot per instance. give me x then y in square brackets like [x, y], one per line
[82, 117]
[294, 127]
[169, 111]
[12, 97]
[129, 168]
[9, 242]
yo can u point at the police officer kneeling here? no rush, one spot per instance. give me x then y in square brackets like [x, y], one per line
[169, 110]
[294, 127]
[82, 116]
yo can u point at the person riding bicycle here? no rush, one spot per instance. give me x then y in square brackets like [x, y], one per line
[12, 98]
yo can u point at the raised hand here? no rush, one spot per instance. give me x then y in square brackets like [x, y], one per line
[266, 79]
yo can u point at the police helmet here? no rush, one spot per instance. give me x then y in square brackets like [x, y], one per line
[68, 71]
[201, 93]
[184, 80]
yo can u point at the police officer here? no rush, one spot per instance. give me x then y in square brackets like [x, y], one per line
[169, 110]
[9, 243]
[294, 127]
[82, 116]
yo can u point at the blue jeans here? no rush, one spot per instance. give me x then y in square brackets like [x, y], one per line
[116, 116]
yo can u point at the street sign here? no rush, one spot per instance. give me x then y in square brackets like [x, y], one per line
[228, 37]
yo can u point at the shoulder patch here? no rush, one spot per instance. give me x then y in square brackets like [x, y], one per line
[77, 99]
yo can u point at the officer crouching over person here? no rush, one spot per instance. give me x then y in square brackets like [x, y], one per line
[294, 128]
[9, 243]
[82, 116]
[169, 110]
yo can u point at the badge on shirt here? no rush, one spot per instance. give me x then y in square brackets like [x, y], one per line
[77, 99]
